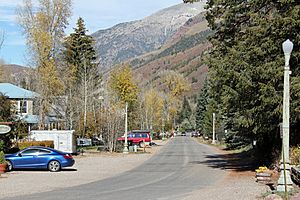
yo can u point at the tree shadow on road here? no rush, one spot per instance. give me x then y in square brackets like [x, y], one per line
[243, 161]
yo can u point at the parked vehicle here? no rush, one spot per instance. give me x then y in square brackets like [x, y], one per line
[83, 142]
[183, 133]
[194, 134]
[137, 137]
[97, 142]
[37, 157]
[64, 140]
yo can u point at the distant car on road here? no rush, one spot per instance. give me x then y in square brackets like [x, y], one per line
[37, 157]
[183, 133]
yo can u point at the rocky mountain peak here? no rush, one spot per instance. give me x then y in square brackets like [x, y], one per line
[130, 39]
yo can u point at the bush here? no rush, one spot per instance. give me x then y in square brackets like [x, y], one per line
[156, 136]
[46, 143]
[2, 158]
[295, 155]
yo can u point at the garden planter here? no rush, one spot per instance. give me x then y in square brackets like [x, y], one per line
[2, 168]
[263, 175]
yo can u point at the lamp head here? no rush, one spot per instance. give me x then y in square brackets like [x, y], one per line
[287, 47]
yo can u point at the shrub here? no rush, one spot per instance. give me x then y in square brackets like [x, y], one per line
[295, 155]
[2, 158]
[46, 143]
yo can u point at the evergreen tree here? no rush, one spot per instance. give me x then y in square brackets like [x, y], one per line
[80, 53]
[5, 116]
[5, 109]
[186, 110]
[82, 76]
[201, 106]
[246, 66]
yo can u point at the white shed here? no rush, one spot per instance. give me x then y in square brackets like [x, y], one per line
[64, 140]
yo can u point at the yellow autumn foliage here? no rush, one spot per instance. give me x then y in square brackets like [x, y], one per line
[154, 106]
[122, 84]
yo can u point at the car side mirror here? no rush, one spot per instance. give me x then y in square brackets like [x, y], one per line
[19, 154]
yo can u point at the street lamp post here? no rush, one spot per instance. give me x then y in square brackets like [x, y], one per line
[214, 124]
[125, 150]
[284, 182]
[163, 130]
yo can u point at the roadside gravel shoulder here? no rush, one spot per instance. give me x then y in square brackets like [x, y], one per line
[88, 168]
[239, 182]
[233, 187]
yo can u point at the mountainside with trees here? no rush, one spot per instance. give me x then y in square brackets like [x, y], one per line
[182, 53]
[16, 74]
[131, 39]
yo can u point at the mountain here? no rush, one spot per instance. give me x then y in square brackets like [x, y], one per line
[128, 40]
[16, 74]
[183, 52]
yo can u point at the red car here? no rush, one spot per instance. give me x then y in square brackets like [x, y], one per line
[137, 137]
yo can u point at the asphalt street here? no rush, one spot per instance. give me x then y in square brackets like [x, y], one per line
[179, 168]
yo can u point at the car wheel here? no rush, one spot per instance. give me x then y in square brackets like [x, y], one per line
[142, 144]
[54, 166]
[9, 166]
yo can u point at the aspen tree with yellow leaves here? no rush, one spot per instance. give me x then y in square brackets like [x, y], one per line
[122, 89]
[153, 109]
[175, 88]
[122, 83]
[43, 26]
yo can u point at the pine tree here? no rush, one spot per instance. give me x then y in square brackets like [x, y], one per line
[186, 111]
[201, 106]
[5, 109]
[83, 77]
[246, 65]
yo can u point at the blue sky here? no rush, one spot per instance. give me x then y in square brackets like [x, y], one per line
[97, 14]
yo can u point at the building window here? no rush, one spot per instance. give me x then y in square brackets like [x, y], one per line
[14, 106]
[23, 106]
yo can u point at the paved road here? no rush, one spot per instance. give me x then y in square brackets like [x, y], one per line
[182, 166]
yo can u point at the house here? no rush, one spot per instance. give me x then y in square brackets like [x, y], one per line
[21, 99]
[23, 106]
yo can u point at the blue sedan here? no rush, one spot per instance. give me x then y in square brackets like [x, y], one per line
[39, 158]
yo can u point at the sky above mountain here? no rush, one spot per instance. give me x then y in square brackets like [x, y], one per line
[97, 14]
